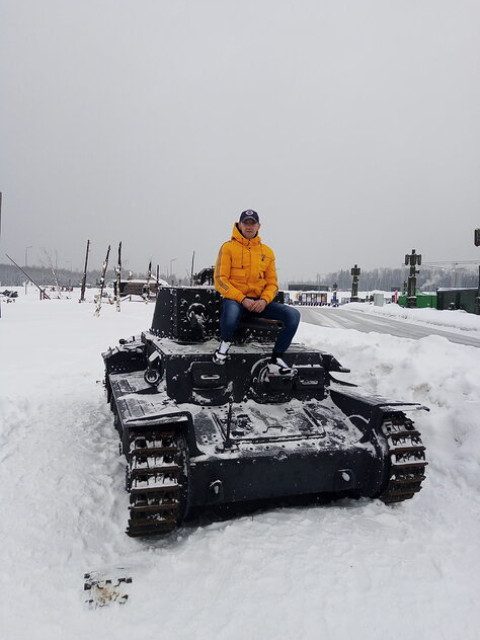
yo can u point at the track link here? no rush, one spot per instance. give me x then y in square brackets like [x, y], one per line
[407, 459]
[156, 480]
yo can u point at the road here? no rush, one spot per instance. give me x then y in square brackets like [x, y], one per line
[349, 319]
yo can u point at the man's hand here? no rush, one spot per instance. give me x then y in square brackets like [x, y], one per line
[258, 305]
[248, 303]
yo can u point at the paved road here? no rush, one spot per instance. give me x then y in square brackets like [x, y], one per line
[348, 319]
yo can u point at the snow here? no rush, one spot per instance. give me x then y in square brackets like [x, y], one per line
[457, 320]
[354, 569]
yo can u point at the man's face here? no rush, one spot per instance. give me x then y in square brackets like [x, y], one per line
[249, 228]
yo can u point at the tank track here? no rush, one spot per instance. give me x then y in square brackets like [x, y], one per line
[407, 459]
[156, 480]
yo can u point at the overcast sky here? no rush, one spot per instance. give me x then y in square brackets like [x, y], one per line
[351, 126]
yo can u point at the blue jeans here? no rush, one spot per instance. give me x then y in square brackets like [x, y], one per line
[233, 312]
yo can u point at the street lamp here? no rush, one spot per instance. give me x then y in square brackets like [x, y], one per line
[26, 264]
[171, 268]
[26, 254]
[477, 244]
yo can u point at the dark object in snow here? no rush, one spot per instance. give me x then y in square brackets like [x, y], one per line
[199, 435]
[204, 277]
[102, 591]
[10, 295]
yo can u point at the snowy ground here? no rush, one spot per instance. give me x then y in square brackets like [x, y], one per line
[452, 320]
[357, 570]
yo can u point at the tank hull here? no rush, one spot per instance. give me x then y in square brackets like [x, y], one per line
[199, 435]
[254, 451]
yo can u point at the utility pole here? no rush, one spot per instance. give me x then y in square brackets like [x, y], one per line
[191, 270]
[102, 284]
[43, 294]
[413, 259]
[26, 254]
[171, 270]
[84, 278]
[146, 287]
[477, 244]
[0, 239]
[26, 264]
[118, 279]
[355, 272]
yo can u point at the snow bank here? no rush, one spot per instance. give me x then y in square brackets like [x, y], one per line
[452, 319]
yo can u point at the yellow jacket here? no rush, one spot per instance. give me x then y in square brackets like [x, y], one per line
[246, 268]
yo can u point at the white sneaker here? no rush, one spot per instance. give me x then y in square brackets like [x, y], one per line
[219, 358]
[220, 355]
[279, 368]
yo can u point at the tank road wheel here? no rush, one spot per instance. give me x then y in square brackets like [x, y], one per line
[266, 389]
[406, 459]
[152, 377]
[157, 479]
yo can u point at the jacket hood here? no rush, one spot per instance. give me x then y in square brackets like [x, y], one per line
[236, 235]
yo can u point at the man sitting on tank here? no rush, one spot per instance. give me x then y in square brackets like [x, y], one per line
[246, 278]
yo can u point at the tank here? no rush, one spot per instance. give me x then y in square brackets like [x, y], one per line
[197, 435]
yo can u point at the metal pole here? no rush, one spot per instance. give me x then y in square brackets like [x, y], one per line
[118, 279]
[42, 291]
[0, 239]
[191, 270]
[26, 264]
[477, 244]
[84, 278]
[171, 269]
[146, 287]
[478, 292]
[228, 441]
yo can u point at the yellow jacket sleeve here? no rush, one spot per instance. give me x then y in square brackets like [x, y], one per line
[222, 273]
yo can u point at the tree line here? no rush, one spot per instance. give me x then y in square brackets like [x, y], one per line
[11, 276]
[387, 279]
[383, 279]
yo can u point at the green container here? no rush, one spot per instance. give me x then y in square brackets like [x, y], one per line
[457, 299]
[424, 300]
